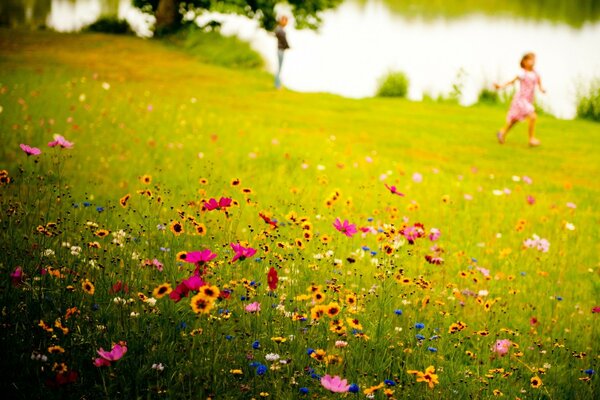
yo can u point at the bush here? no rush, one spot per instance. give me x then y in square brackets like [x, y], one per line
[110, 24]
[394, 84]
[214, 48]
[588, 105]
[487, 96]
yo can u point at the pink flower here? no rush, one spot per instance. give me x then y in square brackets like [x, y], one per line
[213, 204]
[527, 180]
[335, 384]
[571, 205]
[106, 357]
[60, 141]
[253, 307]
[158, 265]
[412, 233]
[193, 283]
[417, 177]
[200, 257]
[501, 347]
[531, 200]
[596, 310]
[393, 190]
[345, 227]
[30, 151]
[340, 343]
[434, 234]
[241, 252]
[484, 271]
[16, 276]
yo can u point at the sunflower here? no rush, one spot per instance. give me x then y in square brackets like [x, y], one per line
[101, 233]
[292, 217]
[146, 179]
[94, 245]
[142, 296]
[176, 228]
[162, 290]
[55, 350]
[308, 235]
[200, 229]
[88, 287]
[60, 368]
[181, 256]
[337, 326]
[124, 200]
[201, 304]
[482, 333]
[299, 243]
[317, 312]
[203, 181]
[236, 182]
[318, 354]
[332, 309]
[209, 292]
[247, 191]
[536, 382]
[354, 324]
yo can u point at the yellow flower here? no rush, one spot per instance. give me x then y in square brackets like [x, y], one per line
[318, 354]
[176, 228]
[55, 350]
[332, 309]
[279, 339]
[201, 304]
[236, 371]
[354, 324]
[88, 287]
[428, 376]
[162, 290]
[124, 200]
[536, 382]
[209, 292]
[146, 179]
[101, 233]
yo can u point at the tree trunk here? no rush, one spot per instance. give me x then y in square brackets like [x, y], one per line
[166, 15]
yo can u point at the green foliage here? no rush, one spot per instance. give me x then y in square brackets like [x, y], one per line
[394, 84]
[488, 96]
[588, 104]
[110, 24]
[212, 47]
[306, 12]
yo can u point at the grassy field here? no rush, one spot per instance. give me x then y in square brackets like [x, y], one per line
[91, 233]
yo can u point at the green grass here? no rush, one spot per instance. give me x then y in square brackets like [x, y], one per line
[135, 107]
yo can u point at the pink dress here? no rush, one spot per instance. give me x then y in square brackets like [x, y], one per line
[522, 103]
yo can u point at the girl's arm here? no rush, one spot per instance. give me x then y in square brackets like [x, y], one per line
[506, 84]
[539, 82]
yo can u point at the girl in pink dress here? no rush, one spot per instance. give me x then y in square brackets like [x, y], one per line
[522, 104]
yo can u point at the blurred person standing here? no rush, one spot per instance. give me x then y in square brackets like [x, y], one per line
[282, 46]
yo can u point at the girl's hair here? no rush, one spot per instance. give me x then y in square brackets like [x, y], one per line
[526, 57]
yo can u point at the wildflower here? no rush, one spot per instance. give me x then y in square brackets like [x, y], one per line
[176, 227]
[501, 347]
[256, 345]
[159, 367]
[101, 233]
[253, 307]
[261, 369]
[241, 252]
[61, 142]
[201, 304]
[213, 204]
[345, 227]
[106, 357]
[393, 190]
[354, 323]
[333, 309]
[398, 312]
[236, 371]
[55, 350]
[371, 390]
[209, 292]
[272, 357]
[428, 376]
[162, 290]
[304, 390]
[419, 325]
[272, 278]
[30, 151]
[335, 384]
[88, 287]
[279, 339]
[536, 382]
[353, 388]
[16, 276]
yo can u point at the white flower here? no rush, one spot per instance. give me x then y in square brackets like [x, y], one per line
[569, 226]
[497, 192]
[482, 293]
[158, 367]
[65, 244]
[329, 253]
[151, 301]
[75, 250]
[134, 314]
[272, 357]
[338, 261]
[48, 253]
[105, 85]
[341, 343]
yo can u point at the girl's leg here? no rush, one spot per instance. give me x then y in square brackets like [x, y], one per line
[532, 140]
[504, 130]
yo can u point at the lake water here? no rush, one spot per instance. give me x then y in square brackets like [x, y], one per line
[361, 40]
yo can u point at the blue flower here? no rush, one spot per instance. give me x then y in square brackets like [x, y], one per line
[419, 325]
[315, 376]
[309, 351]
[87, 204]
[523, 273]
[303, 390]
[256, 344]
[389, 382]
[590, 371]
[432, 349]
[75, 205]
[99, 209]
[398, 312]
[353, 388]
[559, 298]
[419, 336]
[95, 307]
[181, 326]
[261, 369]
[254, 364]
[366, 248]
[228, 337]
[373, 252]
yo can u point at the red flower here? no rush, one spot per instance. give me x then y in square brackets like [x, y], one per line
[596, 310]
[272, 278]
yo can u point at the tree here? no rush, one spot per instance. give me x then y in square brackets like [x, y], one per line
[171, 14]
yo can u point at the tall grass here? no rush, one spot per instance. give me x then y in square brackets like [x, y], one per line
[588, 104]
[394, 84]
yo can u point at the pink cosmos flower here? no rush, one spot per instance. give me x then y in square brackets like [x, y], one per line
[345, 227]
[253, 307]
[434, 234]
[16, 276]
[393, 190]
[527, 180]
[213, 204]
[571, 205]
[417, 177]
[193, 283]
[106, 357]
[200, 257]
[335, 384]
[159, 266]
[241, 252]
[531, 200]
[596, 310]
[59, 140]
[30, 151]
[485, 272]
[412, 233]
[501, 347]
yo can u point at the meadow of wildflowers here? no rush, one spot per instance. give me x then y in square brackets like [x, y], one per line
[203, 237]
